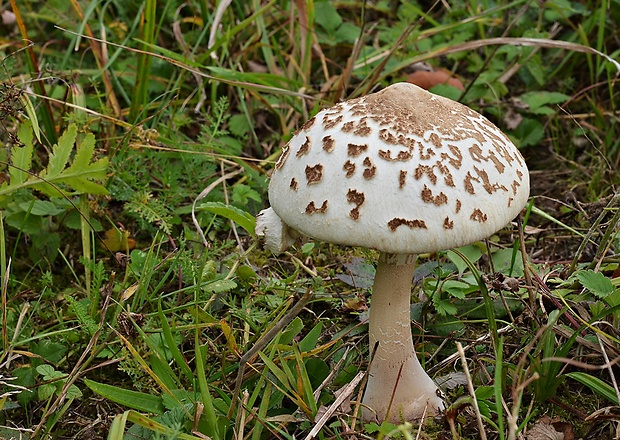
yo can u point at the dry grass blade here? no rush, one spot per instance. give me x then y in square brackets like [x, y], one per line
[472, 392]
[516, 41]
[342, 394]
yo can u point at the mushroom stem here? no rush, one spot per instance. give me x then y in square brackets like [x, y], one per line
[415, 393]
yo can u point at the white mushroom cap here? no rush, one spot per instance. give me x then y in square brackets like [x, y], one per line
[401, 171]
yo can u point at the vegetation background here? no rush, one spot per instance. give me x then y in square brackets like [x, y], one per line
[138, 137]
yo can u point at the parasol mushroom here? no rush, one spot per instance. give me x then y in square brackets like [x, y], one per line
[404, 172]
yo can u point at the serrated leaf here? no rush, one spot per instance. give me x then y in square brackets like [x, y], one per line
[47, 371]
[597, 283]
[61, 153]
[444, 307]
[74, 392]
[21, 157]
[80, 175]
[46, 391]
[85, 150]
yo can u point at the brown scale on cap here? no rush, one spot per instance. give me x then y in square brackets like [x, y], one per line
[402, 176]
[349, 167]
[308, 124]
[362, 128]
[486, 183]
[328, 143]
[370, 170]
[304, 149]
[457, 160]
[458, 206]
[312, 209]
[357, 198]
[283, 157]
[476, 154]
[293, 184]
[447, 175]
[421, 170]
[388, 137]
[348, 126]
[436, 140]
[331, 123]
[428, 197]
[402, 156]
[314, 174]
[478, 216]
[355, 150]
[426, 152]
[447, 223]
[469, 187]
[396, 222]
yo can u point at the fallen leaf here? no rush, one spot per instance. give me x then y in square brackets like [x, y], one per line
[118, 240]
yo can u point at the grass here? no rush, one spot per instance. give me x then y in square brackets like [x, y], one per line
[136, 301]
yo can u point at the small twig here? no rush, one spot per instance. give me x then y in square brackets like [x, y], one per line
[472, 392]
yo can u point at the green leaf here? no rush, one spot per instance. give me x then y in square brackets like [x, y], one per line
[74, 392]
[444, 307]
[61, 152]
[311, 340]
[597, 283]
[484, 392]
[46, 391]
[539, 99]
[508, 262]
[80, 176]
[471, 252]
[40, 208]
[239, 216]
[326, 15]
[596, 385]
[529, 132]
[21, 157]
[131, 399]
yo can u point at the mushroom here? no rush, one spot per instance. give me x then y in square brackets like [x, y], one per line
[404, 172]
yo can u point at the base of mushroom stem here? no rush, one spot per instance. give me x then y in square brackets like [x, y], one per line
[414, 412]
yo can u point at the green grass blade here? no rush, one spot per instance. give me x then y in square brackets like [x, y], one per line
[129, 398]
[211, 417]
[172, 346]
[147, 35]
[596, 385]
[497, 387]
